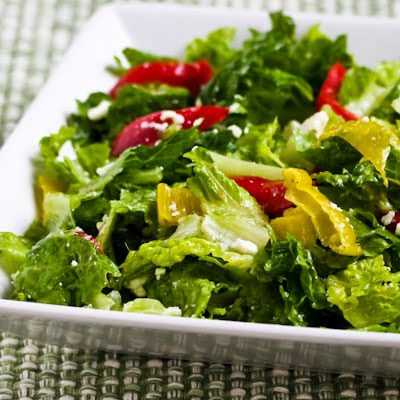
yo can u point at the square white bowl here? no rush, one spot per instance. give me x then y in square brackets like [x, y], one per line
[165, 29]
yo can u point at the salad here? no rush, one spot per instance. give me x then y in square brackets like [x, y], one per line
[259, 184]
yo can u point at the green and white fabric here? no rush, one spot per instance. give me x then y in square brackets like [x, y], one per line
[34, 34]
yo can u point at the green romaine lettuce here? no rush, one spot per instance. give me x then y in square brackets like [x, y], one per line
[13, 251]
[373, 237]
[110, 301]
[215, 47]
[366, 292]
[57, 212]
[188, 288]
[93, 156]
[290, 267]
[314, 54]
[362, 187]
[136, 215]
[65, 269]
[273, 72]
[143, 161]
[59, 157]
[364, 90]
[261, 144]
[150, 306]
[133, 57]
[225, 202]
[166, 253]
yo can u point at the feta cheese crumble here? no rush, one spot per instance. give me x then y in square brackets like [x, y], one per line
[100, 111]
[159, 127]
[172, 115]
[236, 131]
[67, 151]
[388, 218]
[234, 108]
[198, 122]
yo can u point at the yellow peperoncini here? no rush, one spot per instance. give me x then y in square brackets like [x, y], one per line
[332, 227]
[175, 203]
[297, 223]
[370, 138]
[46, 185]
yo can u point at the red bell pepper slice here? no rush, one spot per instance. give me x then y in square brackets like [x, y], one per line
[83, 235]
[330, 90]
[270, 195]
[189, 75]
[148, 129]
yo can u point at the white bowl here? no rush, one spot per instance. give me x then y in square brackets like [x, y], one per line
[165, 29]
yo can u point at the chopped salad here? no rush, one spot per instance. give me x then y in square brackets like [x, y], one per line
[257, 184]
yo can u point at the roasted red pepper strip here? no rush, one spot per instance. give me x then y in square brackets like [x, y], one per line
[330, 89]
[391, 219]
[269, 194]
[189, 75]
[83, 235]
[147, 130]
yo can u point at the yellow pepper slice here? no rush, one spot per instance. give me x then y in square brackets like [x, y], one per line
[49, 184]
[370, 138]
[45, 185]
[333, 228]
[297, 223]
[175, 203]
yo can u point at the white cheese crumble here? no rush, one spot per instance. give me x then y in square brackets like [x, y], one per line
[102, 170]
[397, 231]
[67, 151]
[236, 131]
[100, 111]
[234, 108]
[198, 122]
[388, 218]
[396, 105]
[244, 246]
[365, 119]
[316, 122]
[172, 115]
[74, 263]
[159, 127]
[159, 272]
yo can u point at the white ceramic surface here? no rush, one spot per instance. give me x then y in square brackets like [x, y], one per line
[165, 29]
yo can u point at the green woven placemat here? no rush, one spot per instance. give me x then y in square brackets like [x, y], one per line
[33, 36]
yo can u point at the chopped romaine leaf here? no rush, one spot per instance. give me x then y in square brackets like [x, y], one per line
[13, 251]
[65, 269]
[366, 292]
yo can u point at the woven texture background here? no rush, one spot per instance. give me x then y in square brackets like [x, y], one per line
[33, 36]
